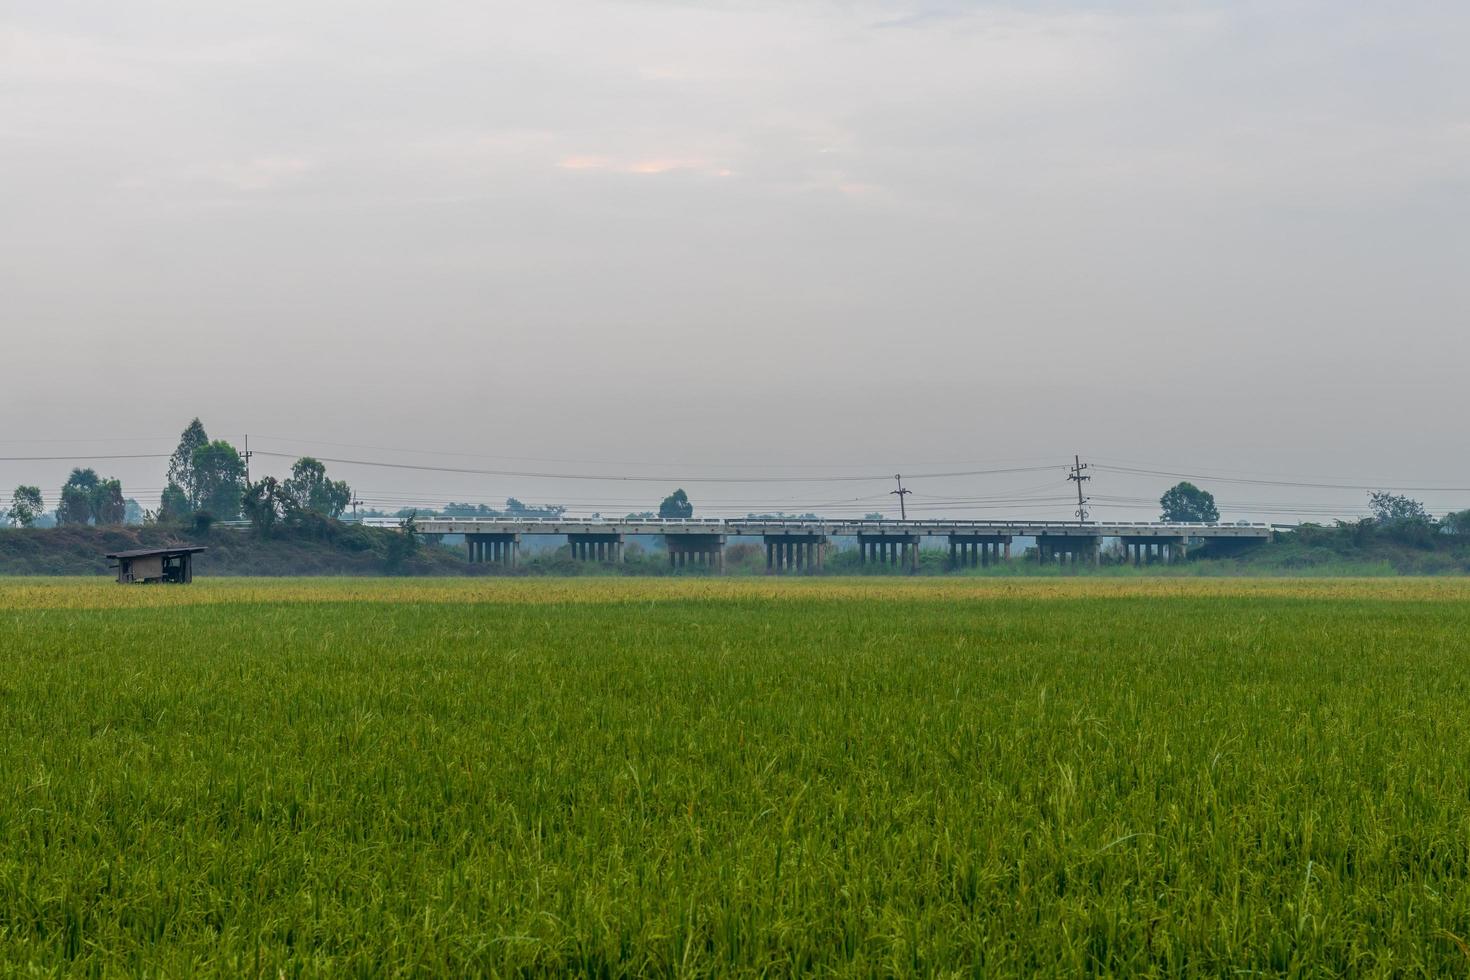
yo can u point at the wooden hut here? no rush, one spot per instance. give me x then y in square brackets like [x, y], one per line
[174, 565]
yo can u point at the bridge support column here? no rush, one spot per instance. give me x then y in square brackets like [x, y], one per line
[799, 551]
[595, 546]
[705, 551]
[1141, 550]
[895, 548]
[499, 549]
[969, 550]
[1069, 549]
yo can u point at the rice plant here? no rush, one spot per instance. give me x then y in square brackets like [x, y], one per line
[698, 777]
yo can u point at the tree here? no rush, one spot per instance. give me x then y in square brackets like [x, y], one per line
[181, 463]
[403, 544]
[86, 479]
[308, 489]
[75, 506]
[88, 499]
[676, 505]
[1456, 523]
[173, 507]
[264, 503]
[25, 505]
[76, 497]
[1186, 502]
[219, 479]
[1389, 508]
[515, 508]
[106, 503]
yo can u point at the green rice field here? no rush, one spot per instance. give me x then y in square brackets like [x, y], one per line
[694, 777]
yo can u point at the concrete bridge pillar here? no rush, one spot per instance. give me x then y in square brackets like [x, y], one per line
[600, 546]
[499, 549]
[794, 552]
[697, 550]
[1069, 549]
[1151, 549]
[897, 549]
[976, 550]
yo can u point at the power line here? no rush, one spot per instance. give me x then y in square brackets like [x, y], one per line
[620, 462]
[81, 459]
[629, 478]
[1282, 483]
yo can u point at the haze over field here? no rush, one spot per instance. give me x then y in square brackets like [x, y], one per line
[753, 238]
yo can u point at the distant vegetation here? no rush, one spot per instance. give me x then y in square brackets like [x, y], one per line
[207, 483]
[676, 506]
[513, 508]
[1187, 502]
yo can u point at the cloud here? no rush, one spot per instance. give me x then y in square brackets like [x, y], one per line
[644, 166]
[663, 165]
[582, 161]
[265, 173]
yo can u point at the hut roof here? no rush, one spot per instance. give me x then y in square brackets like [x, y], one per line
[151, 552]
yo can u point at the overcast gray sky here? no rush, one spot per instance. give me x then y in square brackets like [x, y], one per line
[742, 238]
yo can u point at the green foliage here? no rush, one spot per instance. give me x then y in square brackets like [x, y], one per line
[1389, 508]
[264, 503]
[26, 505]
[107, 503]
[513, 508]
[357, 778]
[676, 506]
[1456, 523]
[83, 479]
[174, 507]
[75, 506]
[88, 499]
[1402, 519]
[402, 545]
[181, 467]
[218, 474]
[308, 489]
[1186, 502]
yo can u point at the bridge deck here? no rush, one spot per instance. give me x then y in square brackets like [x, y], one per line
[757, 527]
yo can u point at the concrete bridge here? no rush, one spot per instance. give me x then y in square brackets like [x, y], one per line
[794, 545]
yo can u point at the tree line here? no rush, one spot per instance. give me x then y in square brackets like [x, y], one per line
[207, 482]
[1393, 515]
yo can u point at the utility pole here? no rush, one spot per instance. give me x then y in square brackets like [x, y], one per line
[355, 502]
[245, 458]
[1078, 476]
[901, 493]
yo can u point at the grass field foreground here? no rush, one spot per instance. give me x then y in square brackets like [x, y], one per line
[616, 777]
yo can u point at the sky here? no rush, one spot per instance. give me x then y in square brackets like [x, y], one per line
[738, 240]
